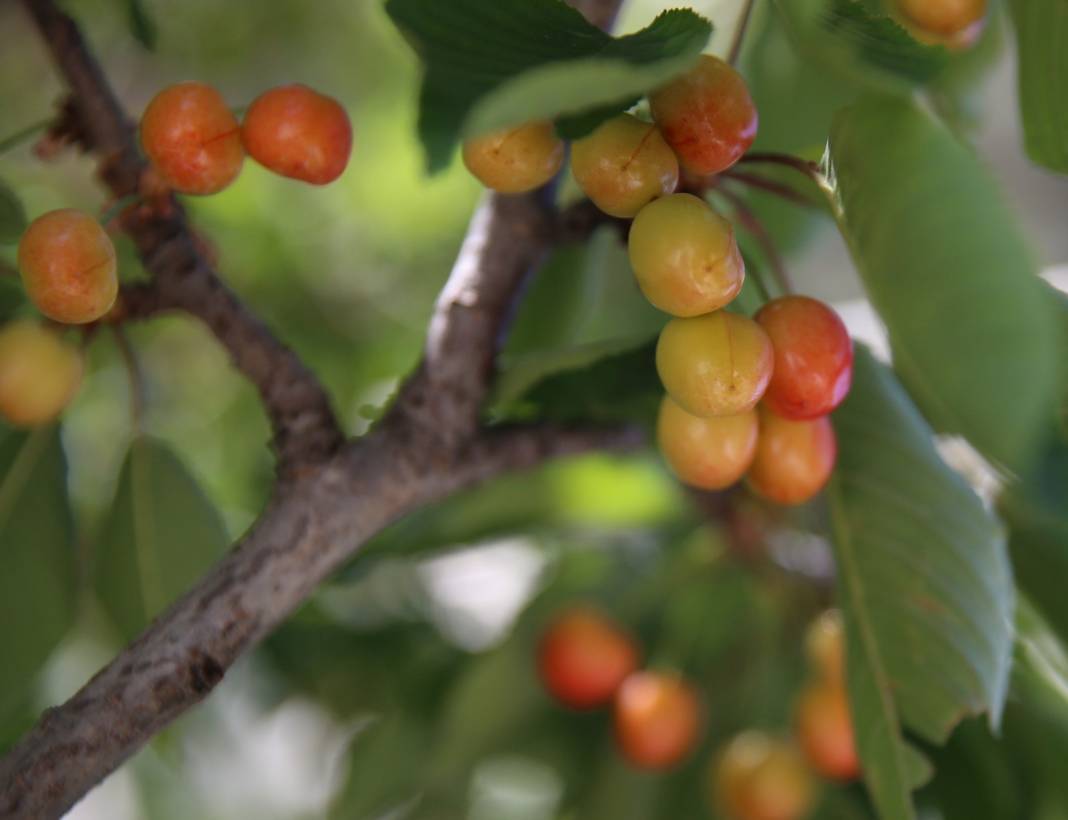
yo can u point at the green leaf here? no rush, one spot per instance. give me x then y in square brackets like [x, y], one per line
[39, 578]
[142, 25]
[160, 536]
[946, 267]
[871, 48]
[924, 583]
[583, 306]
[494, 63]
[1042, 54]
[12, 215]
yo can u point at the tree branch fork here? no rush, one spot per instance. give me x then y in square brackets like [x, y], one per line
[331, 494]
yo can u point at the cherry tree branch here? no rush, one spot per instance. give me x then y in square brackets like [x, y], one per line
[304, 427]
[335, 494]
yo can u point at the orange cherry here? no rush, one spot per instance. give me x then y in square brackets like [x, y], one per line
[825, 731]
[192, 138]
[298, 133]
[657, 717]
[709, 453]
[794, 459]
[583, 658]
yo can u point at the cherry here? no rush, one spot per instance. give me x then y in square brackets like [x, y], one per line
[813, 357]
[794, 459]
[623, 165]
[192, 138]
[825, 731]
[714, 365]
[583, 658]
[514, 160]
[825, 647]
[657, 716]
[953, 23]
[710, 453]
[684, 256]
[298, 133]
[67, 263]
[39, 373]
[707, 116]
[758, 777]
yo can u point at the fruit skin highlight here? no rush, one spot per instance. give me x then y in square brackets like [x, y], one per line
[515, 160]
[794, 459]
[813, 357]
[707, 116]
[685, 256]
[623, 165]
[583, 658]
[711, 453]
[657, 717]
[39, 373]
[298, 133]
[192, 138]
[714, 365]
[67, 264]
[825, 731]
[758, 777]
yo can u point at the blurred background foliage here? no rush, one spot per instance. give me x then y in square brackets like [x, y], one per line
[406, 687]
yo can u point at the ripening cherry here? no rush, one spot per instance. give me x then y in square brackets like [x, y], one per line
[657, 717]
[684, 256]
[825, 647]
[794, 459]
[758, 777]
[67, 264]
[825, 731]
[953, 23]
[813, 357]
[714, 365]
[514, 160]
[583, 658]
[39, 373]
[707, 116]
[623, 165]
[192, 138]
[708, 453]
[298, 133]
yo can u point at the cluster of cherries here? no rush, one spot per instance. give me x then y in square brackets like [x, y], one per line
[586, 661]
[716, 365]
[196, 146]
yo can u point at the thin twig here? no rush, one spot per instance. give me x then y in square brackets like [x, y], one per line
[804, 166]
[23, 134]
[138, 391]
[752, 224]
[739, 33]
[772, 186]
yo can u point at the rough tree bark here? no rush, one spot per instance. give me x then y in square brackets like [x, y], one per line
[332, 494]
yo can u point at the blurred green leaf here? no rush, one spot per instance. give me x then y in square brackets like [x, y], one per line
[583, 305]
[39, 578]
[12, 215]
[1042, 54]
[494, 63]
[973, 334]
[161, 534]
[142, 25]
[870, 48]
[924, 582]
[12, 295]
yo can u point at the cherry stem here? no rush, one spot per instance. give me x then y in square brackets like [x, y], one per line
[804, 166]
[20, 136]
[117, 207]
[739, 33]
[771, 186]
[748, 219]
[137, 379]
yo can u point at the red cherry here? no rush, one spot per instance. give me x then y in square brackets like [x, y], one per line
[813, 357]
[584, 657]
[657, 717]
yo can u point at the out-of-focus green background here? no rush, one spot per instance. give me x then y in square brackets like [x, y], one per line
[388, 694]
